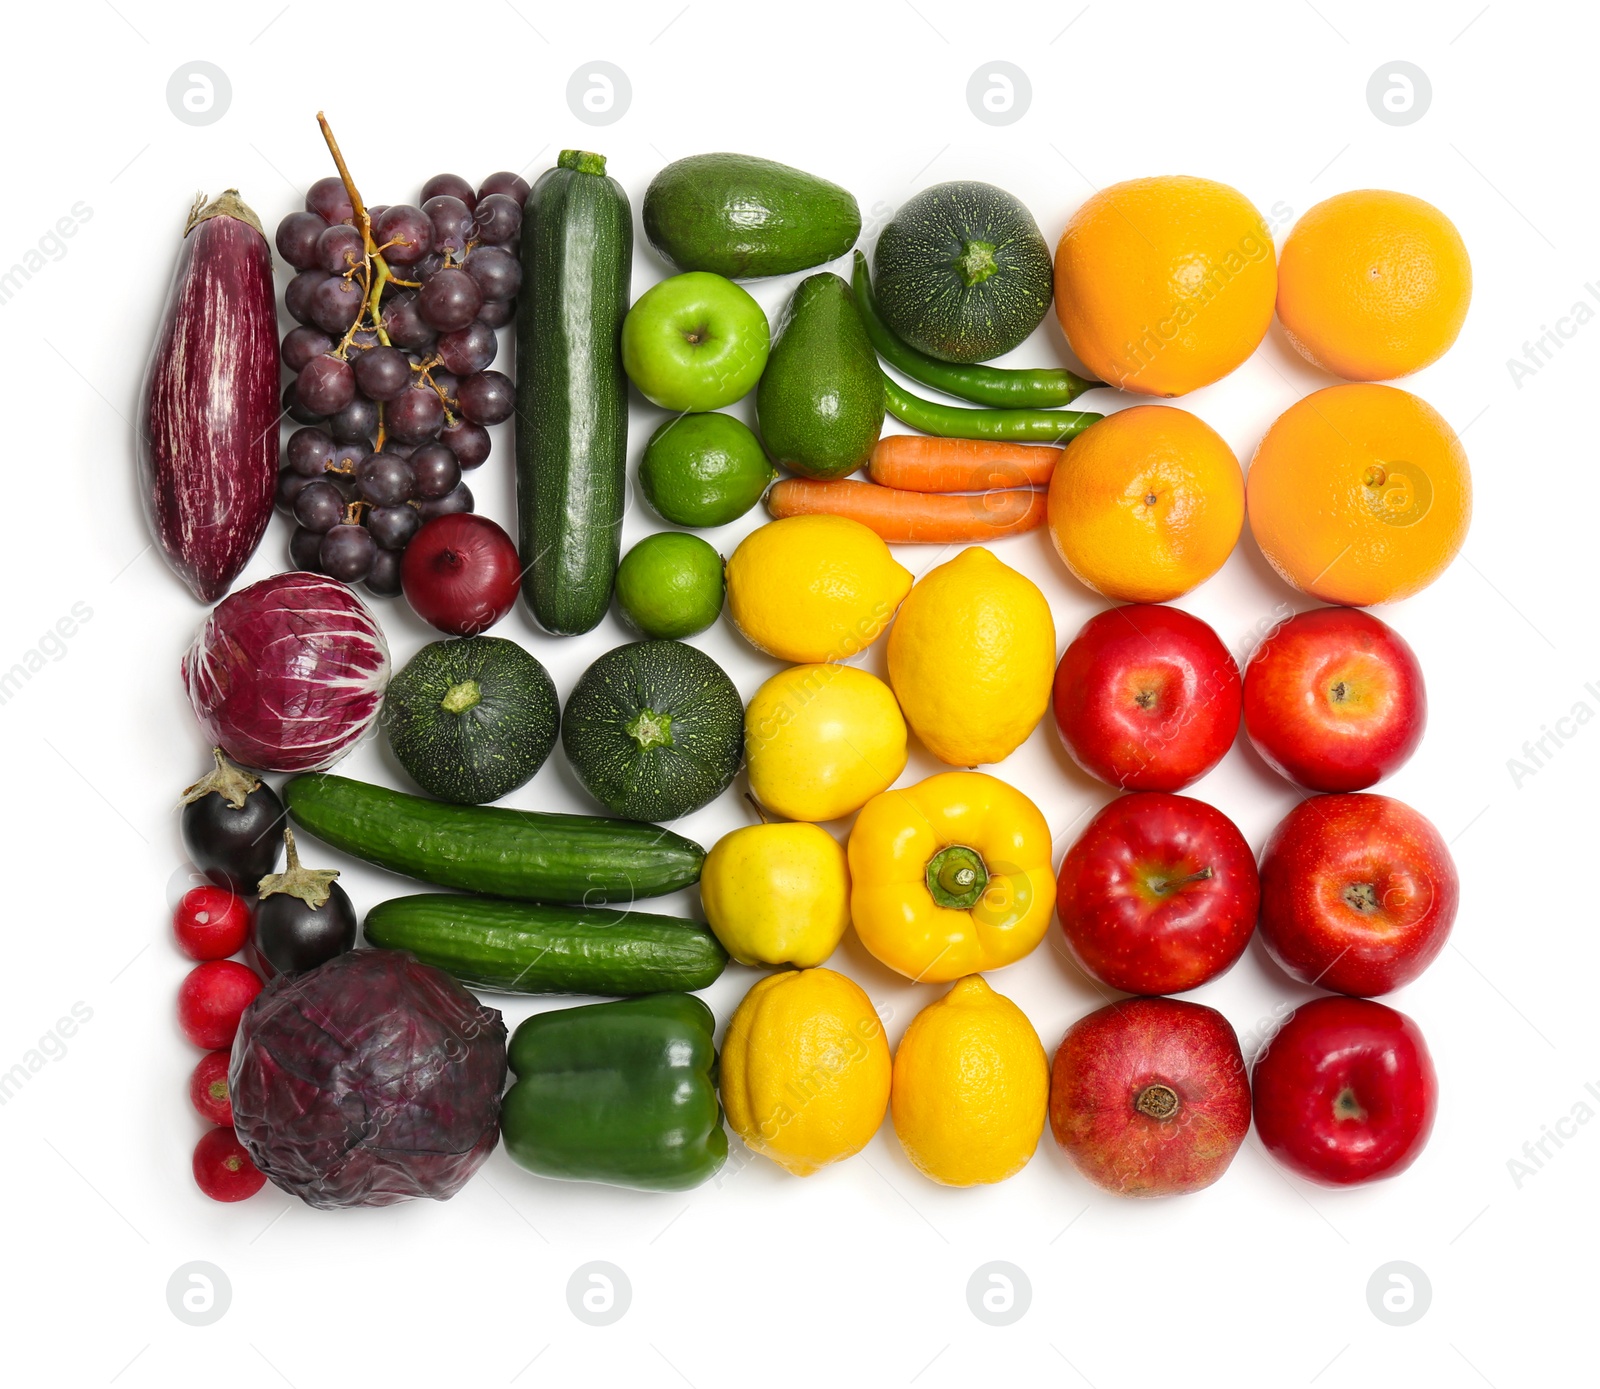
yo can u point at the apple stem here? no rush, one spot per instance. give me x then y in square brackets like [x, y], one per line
[1157, 1101]
[1162, 886]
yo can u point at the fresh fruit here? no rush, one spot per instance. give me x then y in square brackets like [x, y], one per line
[1334, 699]
[805, 1069]
[920, 464]
[1373, 285]
[814, 588]
[460, 574]
[1345, 1092]
[211, 999]
[473, 718]
[1358, 893]
[962, 272]
[822, 740]
[820, 402]
[1360, 494]
[1147, 504]
[304, 917]
[230, 825]
[572, 393]
[208, 1089]
[695, 342]
[654, 730]
[950, 877]
[970, 658]
[211, 923]
[670, 585]
[1147, 698]
[517, 947]
[1158, 894]
[1016, 426]
[529, 854]
[971, 1085]
[622, 1093]
[1164, 285]
[1148, 1096]
[777, 894]
[911, 518]
[741, 216]
[222, 1168]
[703, 470]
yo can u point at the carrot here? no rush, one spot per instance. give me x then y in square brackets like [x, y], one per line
[921, 464]
[903, 516]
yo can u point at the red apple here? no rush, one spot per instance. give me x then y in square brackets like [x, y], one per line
[1158, 894]
[1149, 1096]
[1345, 1092]
[1358, 893]
[1147, 698]
[460, 572]
[1334, 699]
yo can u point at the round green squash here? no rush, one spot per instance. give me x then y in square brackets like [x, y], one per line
[962, 272]
[472, 719]
[654, 730]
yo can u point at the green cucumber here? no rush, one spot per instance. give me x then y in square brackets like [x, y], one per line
[572, 394]
[519, 948]
[533, 855]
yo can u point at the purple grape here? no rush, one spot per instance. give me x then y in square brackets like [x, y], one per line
[335, 304]
[448, 505]
[339, 247]
[402, 317]
[364, 340]
[297, 238]
[497, 220]
[446, 381]
[319, 505]
[467, 350]
[290, 485]
[487, 398]
[452, 222]
[512, 185]
[325, 384]
[404, 234]
[383, 578]
[383, 479]
[347, 456]
[375, 211]
[426, 268]
[399, 450]
[496, 313]
[468, 441]
[356, 423]
[301, 344]
[383, 373]
[295, 410]
[498, 273]
[309, 451]
[297, 294]
[434, 472]
[450, 186]
[327, 198]
[347, 552]
[393, 526]
[345, 485]
[305, 549]
[414, 415]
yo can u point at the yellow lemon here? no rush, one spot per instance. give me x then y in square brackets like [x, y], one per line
[971, 658]
[814, 588]
[777, 894]
[971, 1085]
[805, 1069]
[822, 741]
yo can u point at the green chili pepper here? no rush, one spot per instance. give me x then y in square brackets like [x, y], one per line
[958, 422]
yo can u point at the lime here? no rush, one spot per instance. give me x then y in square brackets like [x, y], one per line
[670, 585]
[703, 470]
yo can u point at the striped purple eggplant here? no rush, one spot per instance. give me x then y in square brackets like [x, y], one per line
[208, 409]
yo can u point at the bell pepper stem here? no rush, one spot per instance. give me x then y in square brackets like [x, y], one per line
[957, 877]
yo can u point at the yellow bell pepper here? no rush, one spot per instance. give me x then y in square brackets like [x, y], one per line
[951, 876]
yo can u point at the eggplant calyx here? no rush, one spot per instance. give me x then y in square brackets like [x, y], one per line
[227, 203]
[232, 783]
[313, 886]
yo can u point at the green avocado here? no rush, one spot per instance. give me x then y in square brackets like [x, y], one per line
[820, 401]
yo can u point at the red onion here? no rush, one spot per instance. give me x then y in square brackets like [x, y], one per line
[288, 674]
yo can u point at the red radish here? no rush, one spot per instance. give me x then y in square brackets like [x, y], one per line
[208, 1089]
[222, 1168]
[211, 1000]
[211, 923]
[208, 413]
[461, 573]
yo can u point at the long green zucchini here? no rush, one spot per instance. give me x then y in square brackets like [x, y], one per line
[533, 855]
[516, 947]
[572, 395]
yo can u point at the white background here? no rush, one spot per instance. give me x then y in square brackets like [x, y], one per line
[858, 1273]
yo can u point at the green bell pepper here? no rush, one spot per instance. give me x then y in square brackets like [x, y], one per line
[623, 1093]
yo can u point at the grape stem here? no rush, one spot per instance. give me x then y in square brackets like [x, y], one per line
[377, 268]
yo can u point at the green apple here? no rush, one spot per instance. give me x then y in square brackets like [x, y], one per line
[695, 342]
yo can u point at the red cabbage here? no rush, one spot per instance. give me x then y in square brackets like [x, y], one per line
[369, 1080]
[288, 674]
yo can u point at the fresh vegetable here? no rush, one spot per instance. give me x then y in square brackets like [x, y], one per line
[211, 923]
[502, 853]
[654, 730]
[950, 877]
[703, 470]
[958, 422]
[288, 674]
[695, 342]
[1000, 387]
[370, 1080]
[208, 1089]
[777, 894]
[919, 464]
[820, 401]
[230, 826]
[621, 1093]
[211, 1000]
[905, 518]
[472, 719]
[670, 585]
[741, 216]
[963, 273]
[516, 947]
[572, 395]
[207, 438]
[304, 917]
[222, 1168]
[460, 574]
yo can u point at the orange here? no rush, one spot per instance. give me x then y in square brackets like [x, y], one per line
[1360, 494]
[1373, 285]
[1166, 284]
[1146, 504]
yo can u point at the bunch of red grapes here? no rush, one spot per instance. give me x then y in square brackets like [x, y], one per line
[392, 411]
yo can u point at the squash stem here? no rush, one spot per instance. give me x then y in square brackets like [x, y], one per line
[976, 262]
